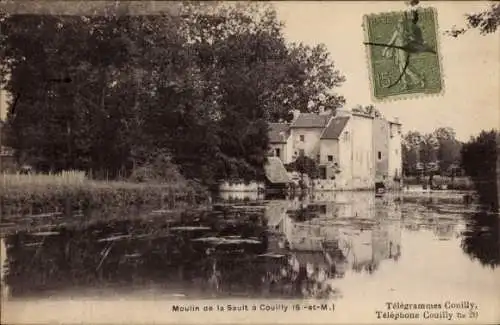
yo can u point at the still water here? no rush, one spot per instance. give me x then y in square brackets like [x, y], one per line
[341, 246]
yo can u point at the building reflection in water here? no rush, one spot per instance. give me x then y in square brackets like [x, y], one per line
[341, 231]
[3, 269]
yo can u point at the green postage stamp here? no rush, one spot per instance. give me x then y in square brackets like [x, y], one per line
[403, 54]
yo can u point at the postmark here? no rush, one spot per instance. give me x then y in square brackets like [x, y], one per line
[403, 54]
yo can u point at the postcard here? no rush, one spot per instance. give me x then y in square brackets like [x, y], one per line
[229, 162]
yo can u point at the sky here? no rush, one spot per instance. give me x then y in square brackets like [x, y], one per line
[470, 63]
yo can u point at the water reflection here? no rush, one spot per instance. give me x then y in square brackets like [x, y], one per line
[278, 248]
[481, 238]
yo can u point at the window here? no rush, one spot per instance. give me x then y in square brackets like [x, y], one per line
[379, 155]
[346, 136]
[330, 158]
[301, 138]
[278, 152]
[322, 172]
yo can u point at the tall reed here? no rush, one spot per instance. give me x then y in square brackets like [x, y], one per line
[71, 190]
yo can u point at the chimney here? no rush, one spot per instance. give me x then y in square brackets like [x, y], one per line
[296, 114]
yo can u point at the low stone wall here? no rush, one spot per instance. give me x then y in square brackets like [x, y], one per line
[241, 196]
[241, 187]
[342, 185]
[351, 185]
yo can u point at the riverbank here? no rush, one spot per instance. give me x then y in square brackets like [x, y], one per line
[457, 183]
[71, 191]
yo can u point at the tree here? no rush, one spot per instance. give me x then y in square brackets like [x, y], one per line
[486, 22]
[199, 86]
[449, 148]
[369, 110]
[305, 165]
[481, 237]
[412, 142]
[439, 146]
[479, 159]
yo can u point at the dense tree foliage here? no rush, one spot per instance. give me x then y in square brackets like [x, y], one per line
[481, 239]
[304, 166]
[369, 110]
[480, 161]
[110, 92]
[441, 147]
[486, 21]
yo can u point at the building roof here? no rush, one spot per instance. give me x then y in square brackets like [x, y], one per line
[277, 132]
[335, 128]
[311, 120]
[275, 171]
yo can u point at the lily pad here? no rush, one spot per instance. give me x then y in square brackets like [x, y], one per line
[45, 233]
[226, 240]
[189, 228]
[271, 255]
[113, 238]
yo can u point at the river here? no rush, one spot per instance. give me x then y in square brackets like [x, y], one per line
[346, 247]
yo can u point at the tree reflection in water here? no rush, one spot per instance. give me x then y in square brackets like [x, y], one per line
[137, 254]
[481, 238]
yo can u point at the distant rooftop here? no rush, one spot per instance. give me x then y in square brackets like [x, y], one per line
[311, 120]
[275, 171]
[277, 132]
[335, 128]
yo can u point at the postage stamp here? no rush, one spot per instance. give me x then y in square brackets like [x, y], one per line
[403, 54]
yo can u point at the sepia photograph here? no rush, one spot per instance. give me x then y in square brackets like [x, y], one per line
[248, 162]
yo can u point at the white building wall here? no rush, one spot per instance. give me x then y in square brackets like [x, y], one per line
[329, 147]
[310, 145]
[344, 178]
[288, 156]
[362, 152]
[395, 151]
[282, 150]
[285, 150]
[241, 187]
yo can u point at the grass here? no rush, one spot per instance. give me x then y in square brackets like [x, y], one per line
[72, 190]
[31, 181]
